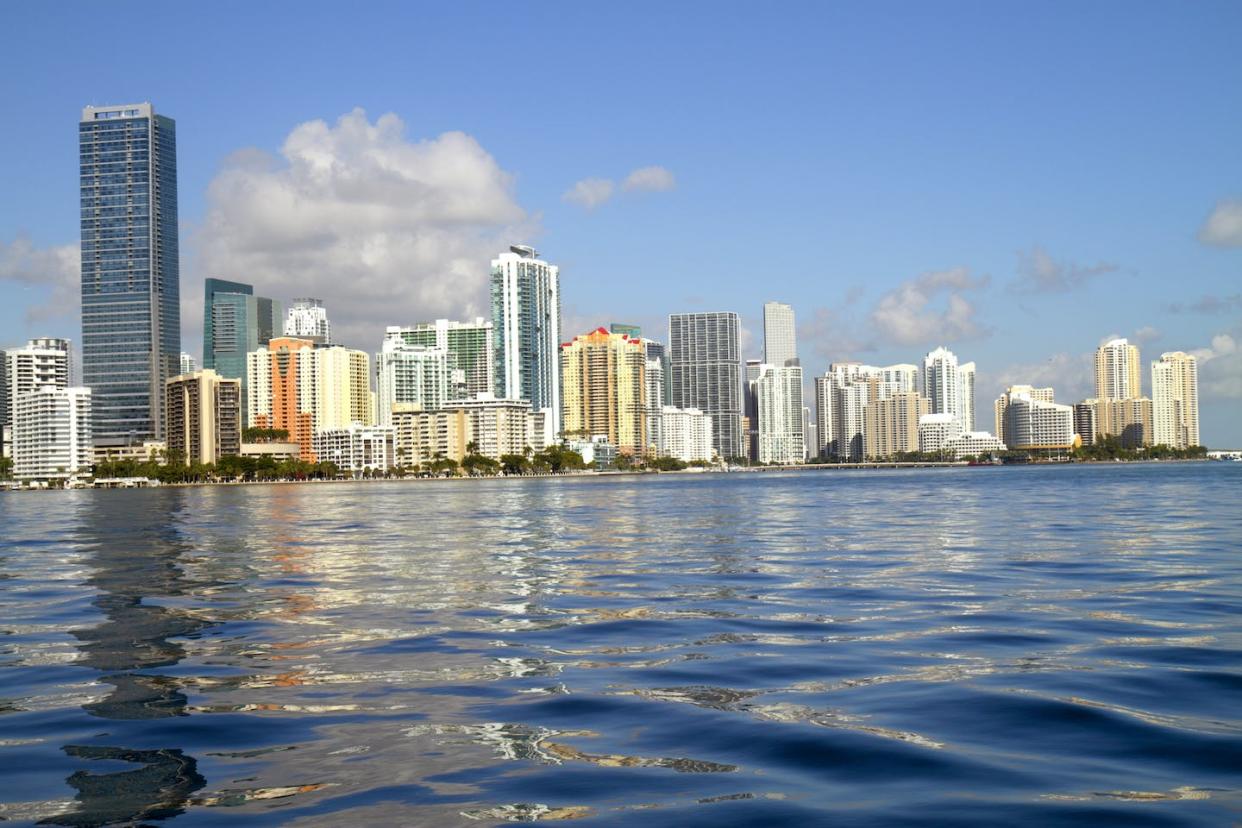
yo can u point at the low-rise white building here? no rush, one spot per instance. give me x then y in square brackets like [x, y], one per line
[357, 448]
[596, 452]
[686, 434]
[1032, 424]
[52, 435]
[972, 444]
[935, 430]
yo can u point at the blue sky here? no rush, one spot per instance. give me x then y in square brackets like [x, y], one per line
[1064, 172]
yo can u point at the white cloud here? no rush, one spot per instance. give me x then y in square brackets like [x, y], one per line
[589, 193]
[1071, 377]
[1220, 368]
[385, 229]
[911, 314]
[1223, 227]
[58, 269]
[1038, 272]
[654, 179]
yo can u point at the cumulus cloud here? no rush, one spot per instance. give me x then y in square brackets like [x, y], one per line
[1038, 272]
[1223, 227]
[1220, 368]
[834, 332]
[914, 312]
[1071, 377]
[385, 229]
[653, 179]
[57, 269]
[589, 193]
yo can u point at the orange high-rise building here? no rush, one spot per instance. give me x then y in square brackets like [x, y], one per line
[276, 397]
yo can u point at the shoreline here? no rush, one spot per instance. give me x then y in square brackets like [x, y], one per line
[599, 475]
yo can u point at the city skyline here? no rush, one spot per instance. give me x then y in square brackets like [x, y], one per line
[1051, 266]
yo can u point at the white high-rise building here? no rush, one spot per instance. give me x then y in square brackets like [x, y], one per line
[470, 348]
[43, 362]
[1175, 400]
[526, 326]
[1117, 371]
[189, 365]
[778, 394]
[1002, 402]
[414, 374]
[949, 387]
[780, 342]
[1034, 424]
[686, 434]
[308, 319]
[52, 434]
[654, 377]
[841, 399]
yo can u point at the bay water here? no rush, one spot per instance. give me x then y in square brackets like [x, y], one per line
[963, 646]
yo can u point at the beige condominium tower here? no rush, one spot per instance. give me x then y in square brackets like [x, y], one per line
[1175, 400]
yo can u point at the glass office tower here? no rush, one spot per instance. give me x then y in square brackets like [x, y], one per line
[235, 322]
[705, 372]
[131, 288]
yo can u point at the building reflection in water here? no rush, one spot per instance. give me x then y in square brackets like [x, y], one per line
[135, 562]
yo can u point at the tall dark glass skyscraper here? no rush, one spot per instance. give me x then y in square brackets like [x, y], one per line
[131, 279]
[705, 369]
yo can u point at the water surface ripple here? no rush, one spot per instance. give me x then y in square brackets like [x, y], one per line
[942, 646]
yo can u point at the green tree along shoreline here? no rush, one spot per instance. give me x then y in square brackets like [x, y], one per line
[554, 460]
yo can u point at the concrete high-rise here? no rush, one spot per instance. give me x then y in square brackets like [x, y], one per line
[471, 358]
[308, 319]
[891, 424]
[841, 398]
[410, 375]
[750, 407]
[778, 395]
[131, 278]
[526, 329]
[1175, 400]
[202, 417]
[780, 341]
[52, 434]
[277, 377]
[1117, 371]
[949, 387]
[604, 388]
[1130, 420]
[1002, 402]
[686, 434]
[303, 389]
[705, 369]
[43, 362]
[1032, 424]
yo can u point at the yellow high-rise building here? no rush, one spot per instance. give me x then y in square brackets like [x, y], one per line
[892, 424]
[604, 389]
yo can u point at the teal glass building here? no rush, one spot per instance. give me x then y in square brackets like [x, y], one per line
[235, 322]
[131, 278]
